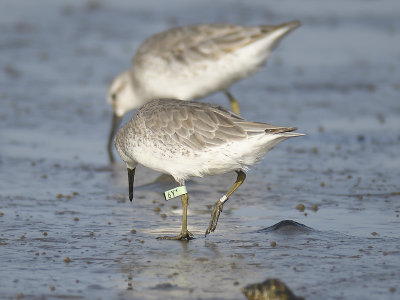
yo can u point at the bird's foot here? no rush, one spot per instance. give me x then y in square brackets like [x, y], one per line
[214, 217]
[185, 235]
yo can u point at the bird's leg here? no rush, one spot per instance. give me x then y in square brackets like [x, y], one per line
[234, 103]
[185, 233]
[241, 176]
[116, 120]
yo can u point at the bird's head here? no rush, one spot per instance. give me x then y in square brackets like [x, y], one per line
[121, 95]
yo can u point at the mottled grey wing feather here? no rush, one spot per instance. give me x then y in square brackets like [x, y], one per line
[199, 42]
[193, 124]
[199, 125]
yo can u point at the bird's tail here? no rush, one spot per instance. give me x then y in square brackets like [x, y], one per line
[285, 131]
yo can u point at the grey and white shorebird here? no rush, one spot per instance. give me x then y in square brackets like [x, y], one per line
[194, 139]
[191, 62]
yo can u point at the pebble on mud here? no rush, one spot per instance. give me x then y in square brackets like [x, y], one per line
[1, 214]
[163, 216]
[273, 244]
[300, 207]
[59, 196]
[91, 233]
[67, 259]
[157, 209]
[76, 219]
[374, 233]
[361, 138]
[133, 231]
[45, 233]
[314, 207]
[269, 289]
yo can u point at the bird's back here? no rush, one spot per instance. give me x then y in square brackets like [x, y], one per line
[192, 61]
[200, 42]
[187, 138]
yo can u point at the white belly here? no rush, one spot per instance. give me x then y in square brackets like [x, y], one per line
[174, 79]
[183, 162]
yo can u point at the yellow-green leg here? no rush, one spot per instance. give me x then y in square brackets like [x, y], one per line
[234, 103]
[219, 204]
[185, 234]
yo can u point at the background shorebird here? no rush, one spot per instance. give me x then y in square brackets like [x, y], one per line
[191, 62]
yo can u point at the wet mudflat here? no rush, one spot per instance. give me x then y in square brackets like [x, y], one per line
[67, 229]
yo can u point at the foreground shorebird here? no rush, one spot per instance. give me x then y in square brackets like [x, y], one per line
[191, 62]
[187, 138]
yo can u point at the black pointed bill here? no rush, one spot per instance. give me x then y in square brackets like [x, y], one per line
[131, 180]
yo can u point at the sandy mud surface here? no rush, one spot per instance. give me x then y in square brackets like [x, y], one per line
[67, 229]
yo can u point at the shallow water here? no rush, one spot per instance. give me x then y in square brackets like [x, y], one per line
[65, 221]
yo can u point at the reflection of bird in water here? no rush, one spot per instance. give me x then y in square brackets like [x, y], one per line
[188, 138]
[191, 62]
[270, 289]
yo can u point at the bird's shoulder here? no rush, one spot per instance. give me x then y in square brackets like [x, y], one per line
[198, 42]
[192, 124]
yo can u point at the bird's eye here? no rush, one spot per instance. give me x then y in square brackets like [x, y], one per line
[114, 97]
